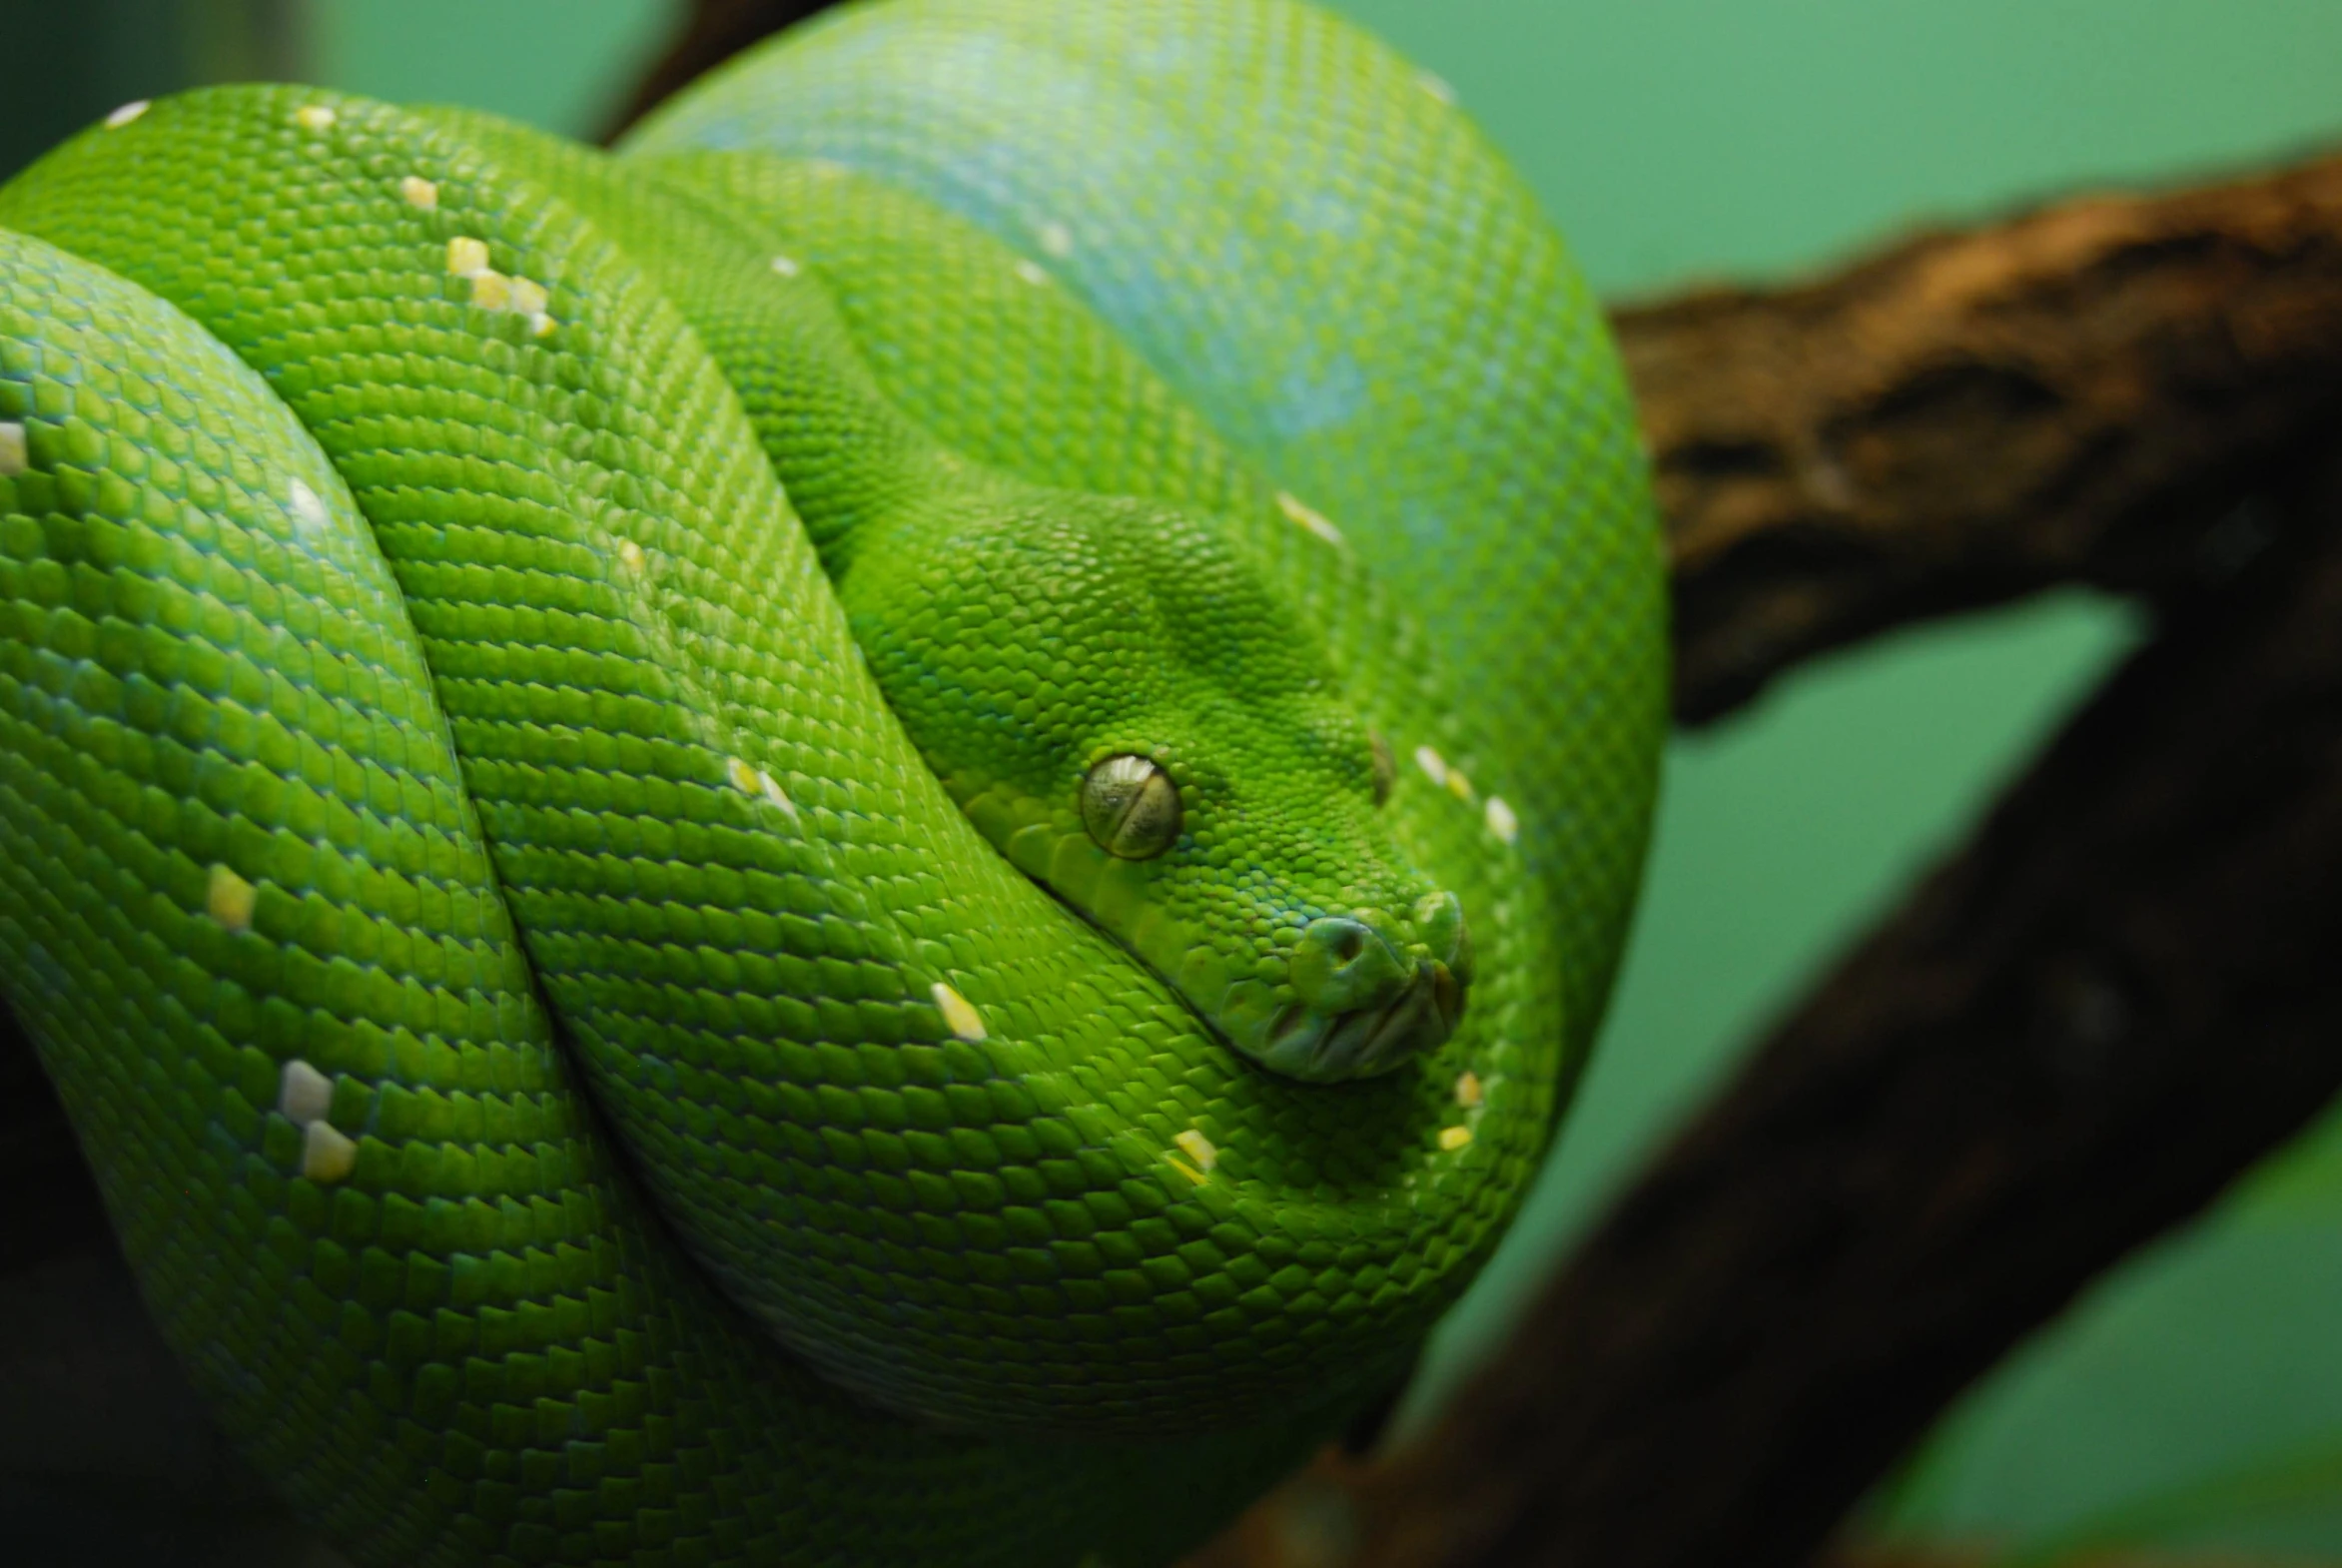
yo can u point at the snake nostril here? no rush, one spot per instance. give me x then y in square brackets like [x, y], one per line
[1341, 963]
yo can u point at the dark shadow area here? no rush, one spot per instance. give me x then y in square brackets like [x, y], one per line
[72, 63]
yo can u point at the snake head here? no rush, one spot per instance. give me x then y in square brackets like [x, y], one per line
[1117, 698]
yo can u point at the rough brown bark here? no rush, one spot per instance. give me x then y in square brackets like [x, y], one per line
[2082, 394]
[2072, 1035]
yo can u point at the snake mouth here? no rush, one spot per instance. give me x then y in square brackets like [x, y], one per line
[1410, 1002]
[1319, 1047]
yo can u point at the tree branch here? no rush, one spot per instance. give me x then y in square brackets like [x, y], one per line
[2082, 394]
[2114, 1000]
[712, 32]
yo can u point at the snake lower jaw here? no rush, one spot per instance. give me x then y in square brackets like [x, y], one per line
[1328, 1048]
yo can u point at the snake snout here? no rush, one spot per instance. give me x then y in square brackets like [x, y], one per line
[1367, 999]
[1341, 964]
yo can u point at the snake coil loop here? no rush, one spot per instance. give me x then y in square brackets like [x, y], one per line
[505, 648]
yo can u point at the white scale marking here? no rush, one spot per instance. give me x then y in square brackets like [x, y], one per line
[1200, 1148]
[1307, 517]
[494, 290]
[960, 1015]
[15, 458]
[309, 512]
[126, 113]
[229, 898]
[304, 1094]
[327, 1155]
[750, 780]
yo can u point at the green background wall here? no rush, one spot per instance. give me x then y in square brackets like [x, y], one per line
[1678, 139]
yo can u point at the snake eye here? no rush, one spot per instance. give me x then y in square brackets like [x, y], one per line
[1385, 770]
[1130, 807]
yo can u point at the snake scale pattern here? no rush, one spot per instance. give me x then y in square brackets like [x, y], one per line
[881, 833]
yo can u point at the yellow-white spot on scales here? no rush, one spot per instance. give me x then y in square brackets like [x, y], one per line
[1302, 515]
[1458, 783]
[1056, 239]
[466, 256]
[494, 290]
[1436, 86]
[304, 1097]
[786, 266]
[314, 117]
[959, 1013]
[1198, 1149]
[631, 558]
[1468, 1092]
[491, 289]
[527, 297]
[14, 455]
[1434, 766]
[749, 780]
[1031, 272]
[419, 193]
[304, 1094]
[326, 1155]
[1452, 1138]
[229, 898]
[1501, 821]
[309, 512]
[126, 113]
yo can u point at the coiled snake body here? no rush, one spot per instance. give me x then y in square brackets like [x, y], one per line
[881, 834]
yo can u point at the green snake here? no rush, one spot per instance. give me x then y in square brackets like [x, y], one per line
[882, 833]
